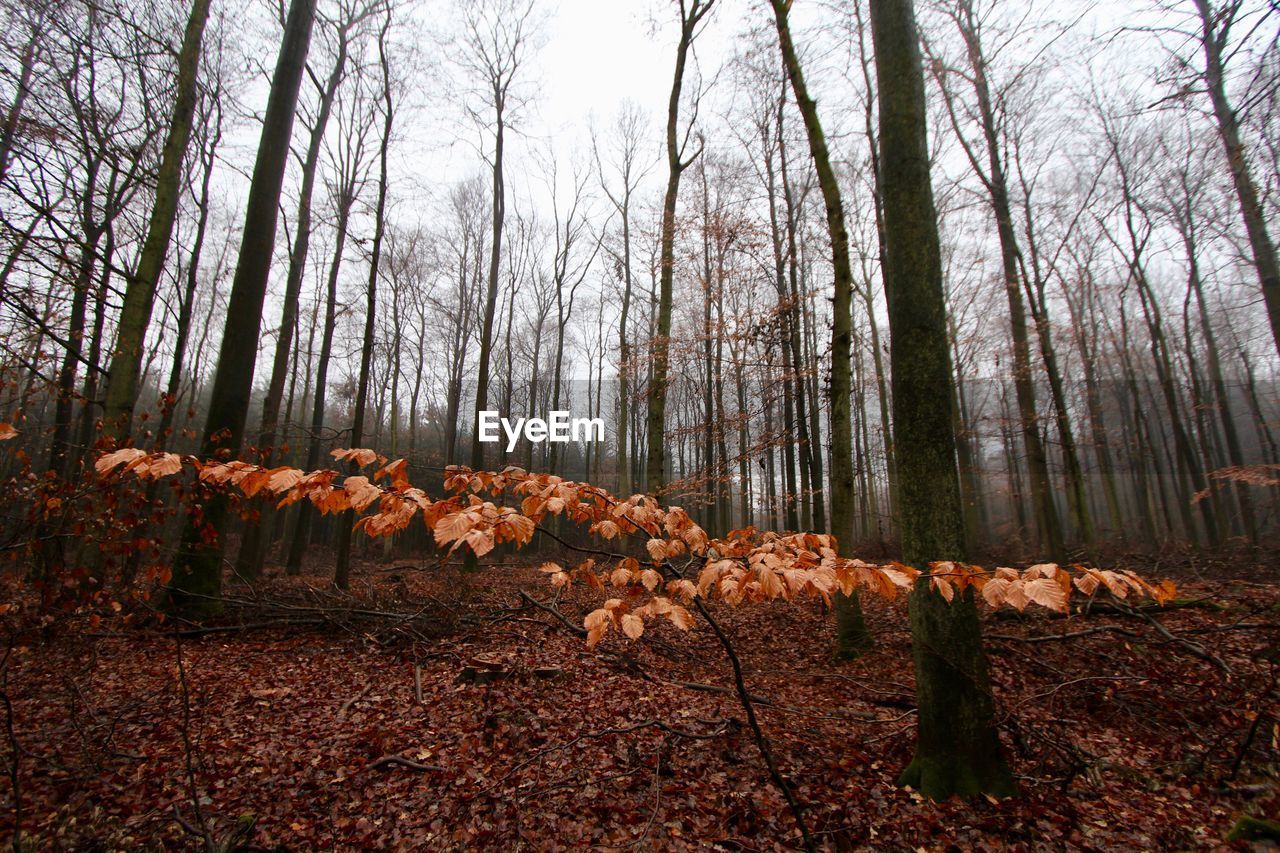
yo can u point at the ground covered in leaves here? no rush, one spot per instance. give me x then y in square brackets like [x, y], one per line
[438, 710]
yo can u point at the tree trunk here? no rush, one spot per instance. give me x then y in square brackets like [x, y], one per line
[957, 750]
[197, 574]
[139, 294]
[302, 526]
[342, 568]
[1215, 27]
[852, 635]
[690, 17]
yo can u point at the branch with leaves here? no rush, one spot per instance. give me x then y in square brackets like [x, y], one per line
[676, 564]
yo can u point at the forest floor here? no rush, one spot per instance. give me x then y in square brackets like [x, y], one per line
[315, 734]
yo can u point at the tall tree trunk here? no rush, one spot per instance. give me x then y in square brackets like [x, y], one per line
[93, 359]
[624, 349]
[60, 451]
[491, 294]
[1048, 525]
[342, 567]
[868, 292]
[302, 526]
[788, 295]
[691, 16]
[852, 635]
[957, 750]
[1235, 452]
[1215, 29]
[253, 546]
[197, 574]
[139, 294]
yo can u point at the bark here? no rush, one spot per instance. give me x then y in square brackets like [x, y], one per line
[1235, 451]
[302, 526]
[852, 635]
[1215, 29]
[139, 295]
[342, 568]
[253, 547]
[957, 750]
[789, 296]
[197, 575]
[692, 14]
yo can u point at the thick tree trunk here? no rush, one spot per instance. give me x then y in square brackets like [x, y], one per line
[253, 546]
[957, 750]
[197, 574]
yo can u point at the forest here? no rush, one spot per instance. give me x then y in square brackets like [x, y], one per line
[663, 424]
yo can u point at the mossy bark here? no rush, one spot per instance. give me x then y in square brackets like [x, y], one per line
[197, 574]
[852, 635]
[957, 750]
[139, 295]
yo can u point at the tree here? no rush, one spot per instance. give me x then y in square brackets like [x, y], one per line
[851, 630]
[342, 567]
[350, 179]
[995, 181]
[1217, 21]
[253, 546]
[628, 137]
[692, 15]
[197, 575]
[496, 44]
[957, 750]
[139, 294]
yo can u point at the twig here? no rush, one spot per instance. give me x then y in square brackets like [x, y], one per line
[1195, 648]
[401, 761]
[192, 633]
[762, 742]
[192, 791]
[711, 688]
[346, 706]
[560, 617]
[1253, 731]
[1070, 635]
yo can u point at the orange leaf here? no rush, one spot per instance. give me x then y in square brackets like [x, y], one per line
[109, 461]
[632, 626]
[606, 529]
[680, 617]
[1047, 593]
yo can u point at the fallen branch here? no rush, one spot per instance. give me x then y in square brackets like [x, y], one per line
[711, 688]
[395, 760]
[192, 633]
[1070, 635]
[1194, 648]
[560, 617]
